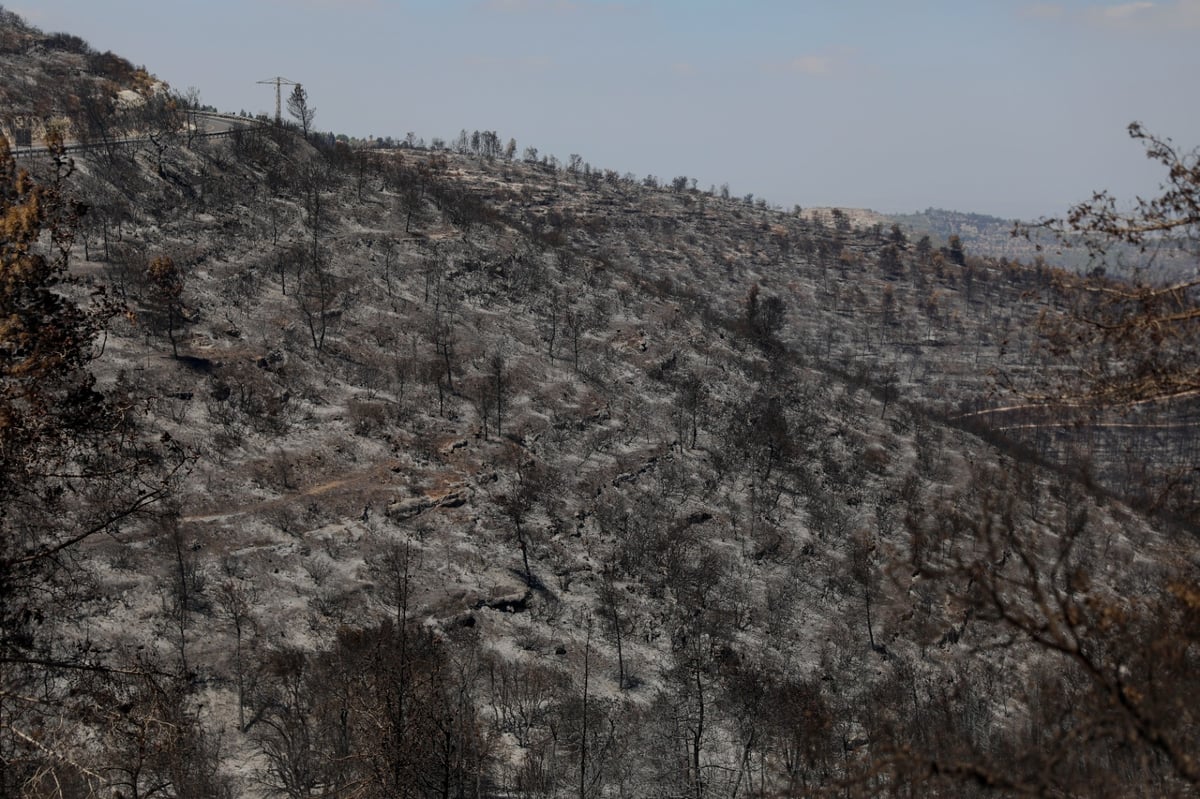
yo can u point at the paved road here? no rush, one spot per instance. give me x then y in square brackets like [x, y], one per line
[208, 125]
[213, 124]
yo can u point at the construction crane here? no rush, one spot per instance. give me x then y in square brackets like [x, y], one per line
[279, 82]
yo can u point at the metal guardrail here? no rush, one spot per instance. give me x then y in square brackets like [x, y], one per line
[243, 124]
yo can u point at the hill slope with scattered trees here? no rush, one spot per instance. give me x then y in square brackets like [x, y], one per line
[356, 472]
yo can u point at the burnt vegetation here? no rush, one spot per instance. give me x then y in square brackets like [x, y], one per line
[354, 469]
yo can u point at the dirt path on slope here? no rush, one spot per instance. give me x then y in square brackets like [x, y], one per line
[375, 479]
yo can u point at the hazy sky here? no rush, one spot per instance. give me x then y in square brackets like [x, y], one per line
[998, 106]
